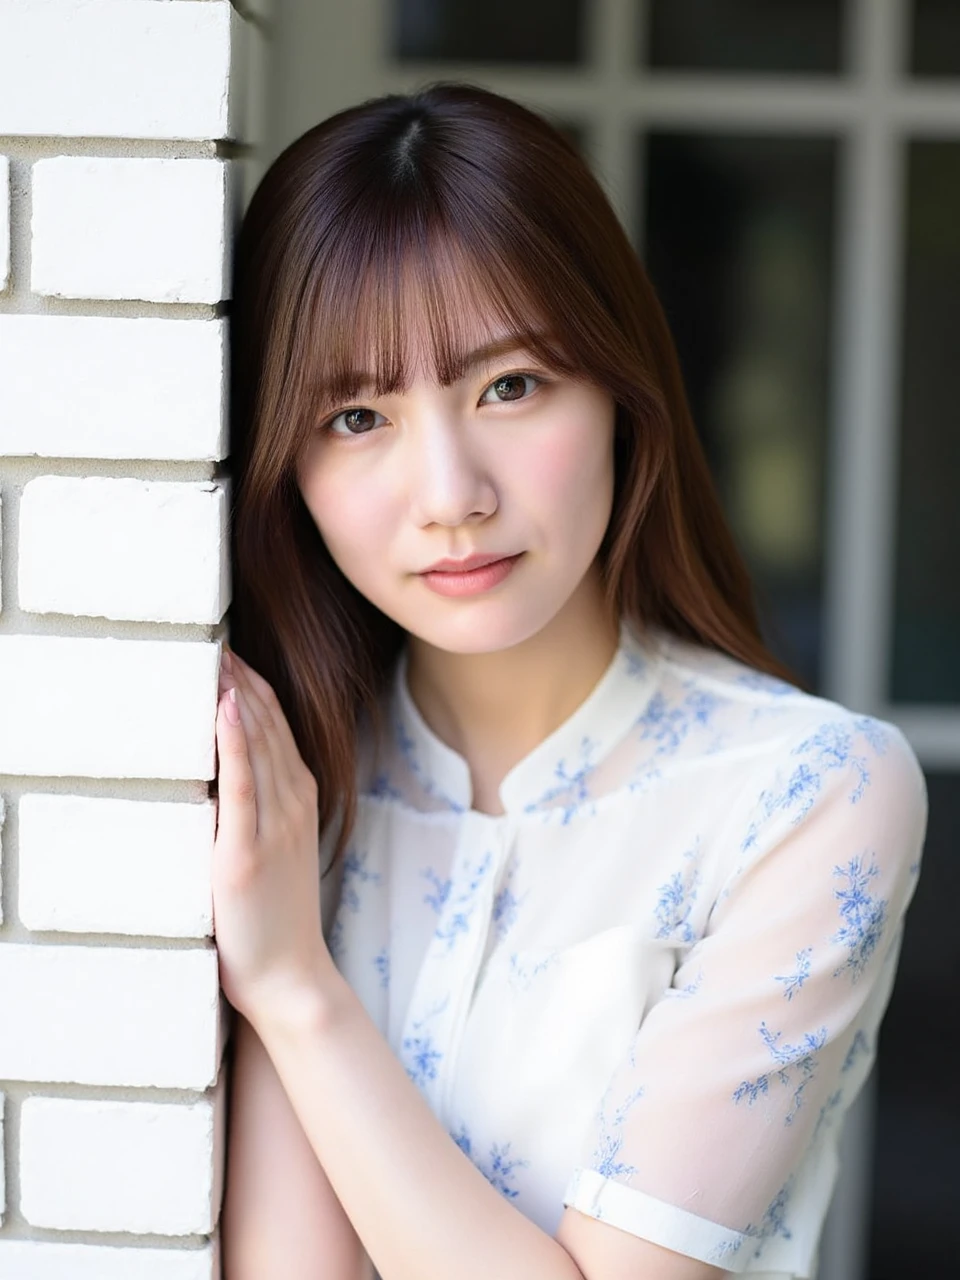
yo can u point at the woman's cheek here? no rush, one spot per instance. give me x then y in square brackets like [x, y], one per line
[570, 468]
[352, 520]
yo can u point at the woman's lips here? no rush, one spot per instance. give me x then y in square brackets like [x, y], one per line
[473, 582]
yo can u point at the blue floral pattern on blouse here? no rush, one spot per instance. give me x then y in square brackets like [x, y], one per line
[651, 987]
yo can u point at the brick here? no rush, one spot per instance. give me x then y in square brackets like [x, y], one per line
[101, 387]
[107, 708]
[109, 1015]
[35, 1260]
[94, 865]
[3, 1163]
[169, 565]
[104, 68]
[3, 814]
[102, 1165]
[4, 222]
[120, 228]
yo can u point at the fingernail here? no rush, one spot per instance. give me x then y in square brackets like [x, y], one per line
[232, 709]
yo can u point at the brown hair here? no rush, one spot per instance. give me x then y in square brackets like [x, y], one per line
[458, 185]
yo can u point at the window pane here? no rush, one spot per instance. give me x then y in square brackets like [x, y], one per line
[536, 31]
[745, 35]
[936, 38]
[738, 246]
[916, 1174]
[926, 647]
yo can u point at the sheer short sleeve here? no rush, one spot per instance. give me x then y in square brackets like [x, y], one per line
[716, 1134]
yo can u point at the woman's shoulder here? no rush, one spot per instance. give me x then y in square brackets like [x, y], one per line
[777, 723]
[688, 666]
[806, 785]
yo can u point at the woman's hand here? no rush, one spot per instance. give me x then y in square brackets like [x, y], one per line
[266, 875]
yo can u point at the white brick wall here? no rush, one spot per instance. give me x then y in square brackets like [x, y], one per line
[109, 1015]
[107, 708]
[115, 68]
[142, 1167]
[95, 865]
[151, 229]
[3, 1180]
[4, 222]
[26, 1260]
[105, 387]
[3, 814]
[170, 565]
[117, 209]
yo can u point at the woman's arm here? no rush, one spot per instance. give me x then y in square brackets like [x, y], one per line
[423, 1210]
[420, 1207]
[280, 1216]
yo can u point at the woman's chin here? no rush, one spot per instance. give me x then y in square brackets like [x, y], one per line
[475, 629]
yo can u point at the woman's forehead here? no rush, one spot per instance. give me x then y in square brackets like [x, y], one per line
[470, 333]
[432, 317]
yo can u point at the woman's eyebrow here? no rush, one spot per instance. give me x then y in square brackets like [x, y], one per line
[364, 383]
[501, 346]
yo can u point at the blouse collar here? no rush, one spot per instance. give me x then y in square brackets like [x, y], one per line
[558, 764]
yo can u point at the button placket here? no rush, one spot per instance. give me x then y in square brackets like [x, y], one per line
[433, 1029]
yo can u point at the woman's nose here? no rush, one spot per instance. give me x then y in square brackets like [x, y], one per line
[449, 483]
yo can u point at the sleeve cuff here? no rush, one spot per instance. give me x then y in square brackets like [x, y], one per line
[655, 1220]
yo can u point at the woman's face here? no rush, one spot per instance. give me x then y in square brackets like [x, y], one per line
[510, 461]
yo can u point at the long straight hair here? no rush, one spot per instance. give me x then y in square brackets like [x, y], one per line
[447, 200]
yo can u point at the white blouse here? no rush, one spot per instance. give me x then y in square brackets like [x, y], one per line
[652, 987]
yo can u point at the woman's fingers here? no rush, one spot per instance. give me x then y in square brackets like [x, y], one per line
[259, 748]
[287, 761]
[236, 785]
[267, 697]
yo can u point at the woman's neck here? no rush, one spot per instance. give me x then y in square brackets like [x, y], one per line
[495, 708]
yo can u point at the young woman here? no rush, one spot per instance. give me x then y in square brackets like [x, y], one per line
[613, 907]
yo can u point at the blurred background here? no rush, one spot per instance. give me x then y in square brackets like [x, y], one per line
[789, 171]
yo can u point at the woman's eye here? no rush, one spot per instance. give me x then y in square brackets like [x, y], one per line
[356, 422]
[511, 386]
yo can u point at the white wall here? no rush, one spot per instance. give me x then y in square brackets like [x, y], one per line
[119, 191]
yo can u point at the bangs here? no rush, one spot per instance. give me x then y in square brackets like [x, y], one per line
[387, 299]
